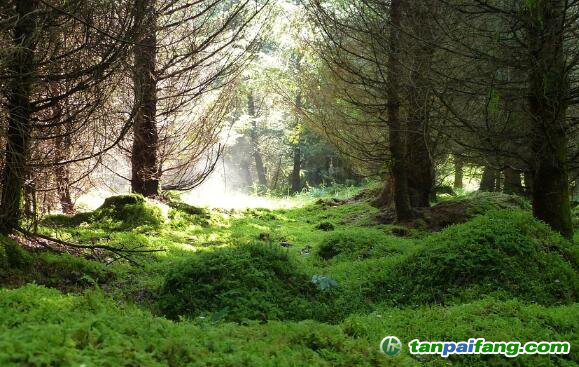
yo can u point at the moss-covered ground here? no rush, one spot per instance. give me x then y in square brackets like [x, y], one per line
[319, 283]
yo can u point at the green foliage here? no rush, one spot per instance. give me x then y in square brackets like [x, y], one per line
[504, 252]
[357, 244]
[251, 282]
[182, 214]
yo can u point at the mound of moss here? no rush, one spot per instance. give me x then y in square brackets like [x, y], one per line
[461, 209]
[12, 257]
[356, 244]
[505, 252]
[121, 211]
[182, 214]
[62, 220]
[131, 210]
[256, 282]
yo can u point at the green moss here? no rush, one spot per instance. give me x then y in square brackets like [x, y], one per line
[130, 211]
[357, 244]
[325, 226]
[388, 282]
[488, 318]
[68, 272]
[504, 252]
[61, 220]
[12, 256]
[42, 327]
[480, 202]
[120, 212]
[256, 282]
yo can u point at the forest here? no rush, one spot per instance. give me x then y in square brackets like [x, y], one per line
[289, 182]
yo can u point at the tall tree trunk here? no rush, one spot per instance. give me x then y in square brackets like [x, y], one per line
[488, 180]
[399, 167]
[259, 168]
[420, 166]
[275, 180]
[458, 172]
[548, 93]
[513, 184]
[144, 164]
[21, 65]
[295, 179]
[421, 170]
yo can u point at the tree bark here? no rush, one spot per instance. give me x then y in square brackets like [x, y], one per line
[528, 177]
[399, 167]
[513, 184]
[488, 180]
[421, 169]
[275, 179]
[62, 175]
[30, 202]
[458, 172]
[498, 181]
[261, 179]
[548, 94]
[21, 65]
[386, 196]
[295, 179]
[144, 163]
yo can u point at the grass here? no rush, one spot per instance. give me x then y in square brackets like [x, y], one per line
[238, 285]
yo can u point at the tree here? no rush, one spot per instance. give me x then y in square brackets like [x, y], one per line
[186, 51]
[548, 95]
[68, 47]
[261, 179]
[509, 98]
[144, 162]
[395, 133]
[22, 65]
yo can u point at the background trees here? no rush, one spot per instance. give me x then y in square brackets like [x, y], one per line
[184, 51]
[490, 82]
[289, 96]
[57, 62]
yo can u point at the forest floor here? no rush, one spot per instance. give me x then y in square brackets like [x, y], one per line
[318, 283]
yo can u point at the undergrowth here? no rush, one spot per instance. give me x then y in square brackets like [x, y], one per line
[318, 284]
